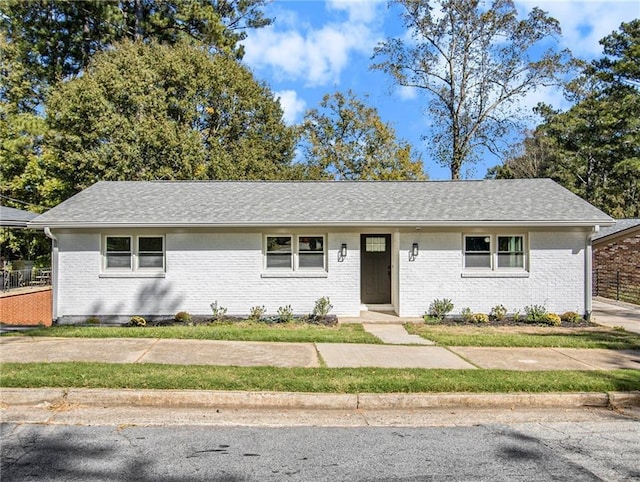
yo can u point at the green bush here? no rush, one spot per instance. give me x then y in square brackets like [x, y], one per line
[92, 320]
[257, 312]
[440, 308]
[498, 313]
[516, 315]
[467, 315]
[552, 319]
[137, 321]
[535, 313]
[322, 307]
[219, 312]
[431, 320]
[571, 317]
[182, 317]
[285, 314]
[480, 318]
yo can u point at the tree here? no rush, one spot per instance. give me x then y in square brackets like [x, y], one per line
[150, 111]
[346, 140]
[593, 148]
[474, 63]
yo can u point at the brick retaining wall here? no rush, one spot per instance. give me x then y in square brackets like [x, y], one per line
[29, 306]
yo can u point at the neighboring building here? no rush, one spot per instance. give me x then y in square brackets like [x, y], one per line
[155, 248]
[15, 218]
[616, 261]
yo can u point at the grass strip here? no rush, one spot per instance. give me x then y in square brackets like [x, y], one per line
[242, 331]
[321, 380]
[534, 337]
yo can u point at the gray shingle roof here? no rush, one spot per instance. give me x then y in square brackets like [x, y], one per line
[243, 203]
[15, 218]
[620, 226]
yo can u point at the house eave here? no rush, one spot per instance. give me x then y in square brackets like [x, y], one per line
[340, 224]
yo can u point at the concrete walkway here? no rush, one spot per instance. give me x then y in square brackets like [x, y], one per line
[334, 355]
[394, 334]
[612, 313]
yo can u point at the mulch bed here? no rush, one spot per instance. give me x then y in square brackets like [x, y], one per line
[329, 320]
[512, 322]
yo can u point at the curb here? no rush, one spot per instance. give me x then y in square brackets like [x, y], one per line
[208, 399]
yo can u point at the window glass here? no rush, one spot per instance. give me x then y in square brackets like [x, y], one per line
[376, 245]
[477, 252]
[510, 252]
[150, 252]
[279, 252]
[118, 252]
[311, 252]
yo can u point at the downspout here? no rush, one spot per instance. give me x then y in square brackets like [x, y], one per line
[588, 272]
[54, 273]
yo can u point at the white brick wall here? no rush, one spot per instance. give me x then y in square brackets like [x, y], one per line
[200, 269]
[556, 278]
[204, 267]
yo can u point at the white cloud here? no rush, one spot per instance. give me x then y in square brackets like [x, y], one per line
[407, 93]
[294, 50]
[291, 104]
[585, 23]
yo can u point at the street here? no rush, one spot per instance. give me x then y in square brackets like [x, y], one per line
[577, 445]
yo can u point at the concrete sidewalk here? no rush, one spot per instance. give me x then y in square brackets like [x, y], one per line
[335, 355]
[613, 313]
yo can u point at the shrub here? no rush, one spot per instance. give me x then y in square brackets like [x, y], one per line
[440, 308]
[432, 320]
[322, 307]
[480, 318]
[571, 317]
[467, 315]
[257, 312]
[552, 319]
[285, 314]
[498, 313]
[137, 321]
[219, 312]
[92, 320]
[535, 313]
[516, 315]
[182, 317]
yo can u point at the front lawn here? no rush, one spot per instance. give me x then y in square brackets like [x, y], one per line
[319, 380]
[241, 331]
[527, 336]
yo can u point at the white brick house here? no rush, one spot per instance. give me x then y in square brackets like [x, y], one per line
[156, 248]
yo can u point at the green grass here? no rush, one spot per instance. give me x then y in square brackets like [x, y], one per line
[242, 331]
[321, 380]
[528, 336]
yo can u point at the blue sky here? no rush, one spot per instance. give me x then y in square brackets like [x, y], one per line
[316, 47]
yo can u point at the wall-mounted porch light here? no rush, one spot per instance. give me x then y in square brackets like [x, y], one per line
[343, 250]
[414, 250]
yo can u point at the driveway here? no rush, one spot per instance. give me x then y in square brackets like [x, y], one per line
[612, 313]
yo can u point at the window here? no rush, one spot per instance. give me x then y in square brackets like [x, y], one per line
[477, 252]
[510, 252]
[375, 245]
[294, 253]
[489, 252]
[124, 254]
[118, 252]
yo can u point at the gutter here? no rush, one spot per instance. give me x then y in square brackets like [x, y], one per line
[588, 272]
[54, 272]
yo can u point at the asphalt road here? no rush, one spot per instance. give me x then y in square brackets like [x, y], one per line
[603, 447]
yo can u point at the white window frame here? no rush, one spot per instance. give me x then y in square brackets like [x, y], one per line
[493, 249]
[295, 253]
[134, 256]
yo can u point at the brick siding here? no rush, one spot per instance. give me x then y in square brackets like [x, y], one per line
[616, 269]
[31, 307]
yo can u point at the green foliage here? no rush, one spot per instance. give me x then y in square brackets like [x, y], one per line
[322, 307]
[92, 320]
[182, 317]
[474, 61]
[467, 315]
[137, 321]
[571, 317]
[498, 312]
[257, 312]
[439, 308]
[535, 313]
[219, 312]
[516, 315]
[346, 140]
[480, 318]
[285, 314]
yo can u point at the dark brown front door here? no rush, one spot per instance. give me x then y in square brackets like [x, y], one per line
[375, 268]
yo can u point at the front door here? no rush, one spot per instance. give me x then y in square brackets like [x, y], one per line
[375, 268]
